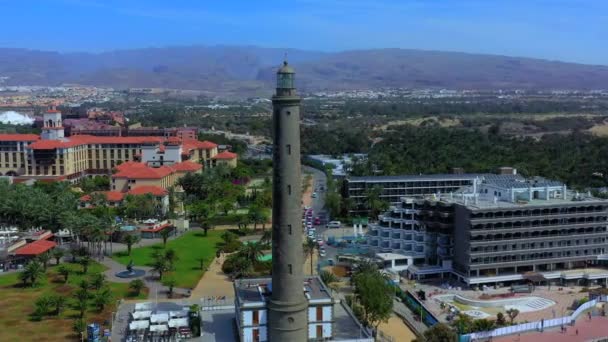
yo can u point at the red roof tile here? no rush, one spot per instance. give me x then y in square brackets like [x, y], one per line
[35, 248]
[19, 137]
[148, 189]
[111, 196]
[142, 171]
[187, 166]
[225, 155]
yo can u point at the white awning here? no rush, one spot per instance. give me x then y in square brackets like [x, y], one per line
[159, 328]
[159, 318]
[141, 314]
[139, 325]
[178, 322]
[143, 306]
[178, 314]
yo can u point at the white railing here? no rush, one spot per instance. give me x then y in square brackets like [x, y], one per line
[538, 325]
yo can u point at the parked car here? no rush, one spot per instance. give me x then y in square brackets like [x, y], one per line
[334, 224]
[314, 195]
[322, 253]
[317, 221]
[320, 241]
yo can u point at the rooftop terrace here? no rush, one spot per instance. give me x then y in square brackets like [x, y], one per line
[258, 290]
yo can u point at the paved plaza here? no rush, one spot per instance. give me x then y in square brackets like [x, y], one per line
[588, 330]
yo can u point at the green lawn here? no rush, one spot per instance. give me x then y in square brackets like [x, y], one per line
[188, 247]
[17, 305]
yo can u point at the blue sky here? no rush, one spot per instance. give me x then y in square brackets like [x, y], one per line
[569, 30]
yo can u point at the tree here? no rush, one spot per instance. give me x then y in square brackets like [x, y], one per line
[439, 332]
[160, 265]
[64, 271]
[44, 259]
[375, 203]
[512, 313]
[137, 285]
[375, 295]
[500, 319]
[206, 226]
[130, 240]
[85, 261]
[309, 249]
[79, 326]
[328, 277]
[266, 238]
[102, 297]
[58, 253]
[463, 324]
[171, 257]
[82, 296]
[31, 273]
[43, 304]
[165, 234]
[58, 302]
[483, 325]
[252, 251]
[256, 215]
[98, 281]
[170, 283]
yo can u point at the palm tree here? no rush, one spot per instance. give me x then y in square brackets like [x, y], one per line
[165, 234]
[43, 305]
[241, 266]
[252, 251]
[44, 259]
[32, 272]
[102, 298]
[266, 237]
[171, 257]
[309, 249]
[58, 253]
[130, 240]
[82, 297]
[328, 277]
[85, 261]
[137, 285]
[98, 281]
[58, 302]
[170, 283]
[64, 271]
[160, 265]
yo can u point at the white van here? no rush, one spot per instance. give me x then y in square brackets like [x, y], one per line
[334, 224]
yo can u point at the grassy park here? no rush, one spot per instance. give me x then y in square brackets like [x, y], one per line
[189, 248]
[17, 303]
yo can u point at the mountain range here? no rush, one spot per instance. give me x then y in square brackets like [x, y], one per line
[250, 70]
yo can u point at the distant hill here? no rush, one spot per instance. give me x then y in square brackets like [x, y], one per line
[250, 70]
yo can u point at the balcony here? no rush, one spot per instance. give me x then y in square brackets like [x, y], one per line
[479, 265]
[540, 249]
[547, 216]
[538, 238]
[537, 227]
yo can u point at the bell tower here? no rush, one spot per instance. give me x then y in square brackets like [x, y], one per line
[287, 308]
[52, 129]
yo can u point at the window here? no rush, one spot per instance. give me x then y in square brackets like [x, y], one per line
[289, 268]
[288, 149]
[289, 228]
[319, 313]
[289, 189]
[256, 317]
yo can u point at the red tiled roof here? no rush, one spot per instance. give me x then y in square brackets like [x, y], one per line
[53, 111]
[111, 196]
[35, 248]
[19, 137]
[187, 166]
[225, 155]
[156, 229]
[148, 189]
[142, 171]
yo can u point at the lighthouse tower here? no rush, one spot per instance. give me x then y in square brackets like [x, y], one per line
[52, 129]
[287, 319]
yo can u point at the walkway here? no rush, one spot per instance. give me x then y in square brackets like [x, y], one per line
[157, 290]
[214, 283]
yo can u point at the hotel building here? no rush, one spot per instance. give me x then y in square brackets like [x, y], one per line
[52, 157]
[498, 230]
